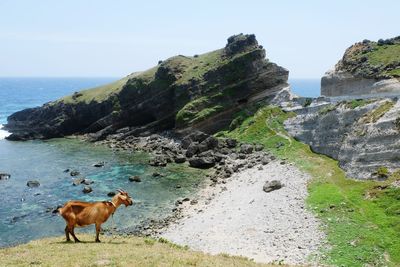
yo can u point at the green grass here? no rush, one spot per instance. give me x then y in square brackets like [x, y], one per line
[360, 230]
[97, 94]
[357, 103]
[375, 114]
[384, 54]
[395, 72]
[117, 251]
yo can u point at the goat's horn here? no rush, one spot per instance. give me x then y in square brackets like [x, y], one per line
[121, 191]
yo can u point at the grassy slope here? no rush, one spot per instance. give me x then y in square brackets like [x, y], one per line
[360, 230]
[380, 57]
[118, 251]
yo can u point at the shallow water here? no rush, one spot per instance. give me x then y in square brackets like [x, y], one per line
[25, 213]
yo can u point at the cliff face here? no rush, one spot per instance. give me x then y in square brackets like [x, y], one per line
[181, 93]
[366, 68]
[363, 135]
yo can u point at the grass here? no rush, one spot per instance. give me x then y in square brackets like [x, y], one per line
[118, 251]
[357, 103]
[375, 114]
[384, 54]
[361, 231]
[97, 94]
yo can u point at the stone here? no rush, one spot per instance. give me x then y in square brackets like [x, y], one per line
[180, 159]
[74, 173]
[87, 181]
[246, 149]
[158, 161]
[194, 202]
[272, 185]
[5, 176]
[77, 181]
[111, 194]
[135, 178]
[202, 163]
[231, 143]
[87, 189]
[99, 164]
[192, 150]
[33, 183]
[258, 147]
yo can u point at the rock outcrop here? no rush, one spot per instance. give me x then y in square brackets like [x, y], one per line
[363, 135]
[181, 93]
[366, 68]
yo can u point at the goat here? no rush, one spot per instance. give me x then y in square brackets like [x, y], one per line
[78, 213]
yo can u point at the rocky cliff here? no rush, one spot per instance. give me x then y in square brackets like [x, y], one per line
[366, 68]
[181, 93]
[363, 135]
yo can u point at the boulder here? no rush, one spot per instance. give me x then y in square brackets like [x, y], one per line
[246, 149]
[258, 147]
[158, 161]
[202, 162]
[5, 176]
[192, 150]
[87, 189]
[231, 143]
[196, 136]
[180, 158]
[272, 185]
[135, 178]
[33, 183]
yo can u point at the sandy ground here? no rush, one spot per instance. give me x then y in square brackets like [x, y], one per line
[239, 218]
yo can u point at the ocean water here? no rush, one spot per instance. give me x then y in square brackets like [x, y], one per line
[25, 213]
[306, 87]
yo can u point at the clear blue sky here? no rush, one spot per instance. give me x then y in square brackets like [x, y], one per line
[115, 38]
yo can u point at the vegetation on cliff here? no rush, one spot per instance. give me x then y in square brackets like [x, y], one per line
[370, 59]
[362, 218]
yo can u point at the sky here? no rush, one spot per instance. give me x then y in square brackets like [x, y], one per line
[103, 38]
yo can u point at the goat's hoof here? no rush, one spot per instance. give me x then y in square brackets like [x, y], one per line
[98, 241]
[77, 241]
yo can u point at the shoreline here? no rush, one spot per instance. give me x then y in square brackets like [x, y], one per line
[237, 217]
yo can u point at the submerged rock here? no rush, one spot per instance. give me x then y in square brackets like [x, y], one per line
[5, 176]
[135, 178]
[87, 189]
[33, 183]
[74, 173]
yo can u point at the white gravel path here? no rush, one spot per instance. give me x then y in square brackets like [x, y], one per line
[239, 218]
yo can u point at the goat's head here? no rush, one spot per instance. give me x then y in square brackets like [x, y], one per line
[124, 197]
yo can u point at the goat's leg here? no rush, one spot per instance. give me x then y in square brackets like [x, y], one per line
[67, 233]
[98, 228]
[71, 230]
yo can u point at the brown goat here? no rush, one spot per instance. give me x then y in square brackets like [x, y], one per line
[78, 213]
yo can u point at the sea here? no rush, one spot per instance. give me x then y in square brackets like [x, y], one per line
[26, 213]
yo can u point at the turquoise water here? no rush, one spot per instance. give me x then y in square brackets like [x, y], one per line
[25, 213]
